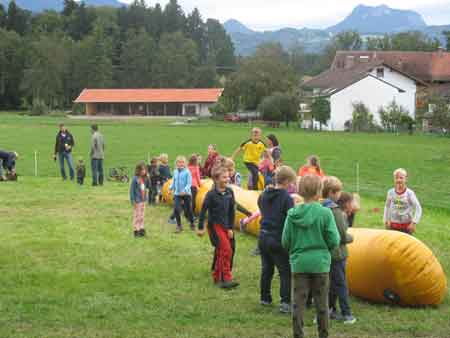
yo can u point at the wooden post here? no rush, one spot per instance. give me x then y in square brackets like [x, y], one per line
[129, 108]
[165, 110]
[357, 177]
[35, 163]
[146, 109]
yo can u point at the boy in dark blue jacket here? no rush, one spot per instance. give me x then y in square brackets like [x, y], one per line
[219, 203]
[274, 204]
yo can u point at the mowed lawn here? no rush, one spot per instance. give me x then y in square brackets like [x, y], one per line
[69, 266]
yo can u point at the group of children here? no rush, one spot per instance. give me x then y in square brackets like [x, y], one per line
[303, 225]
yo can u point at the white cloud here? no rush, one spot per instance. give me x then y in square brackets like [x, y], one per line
[271, 14]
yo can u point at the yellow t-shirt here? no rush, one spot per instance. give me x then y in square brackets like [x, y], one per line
[253, 151]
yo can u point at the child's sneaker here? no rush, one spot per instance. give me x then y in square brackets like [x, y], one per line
[265, 303]
[136, 233]
[349, 319]
[228, 285]
[285, 308]
[178, 230]
[193, 227]
[142, 233]
[172, 221]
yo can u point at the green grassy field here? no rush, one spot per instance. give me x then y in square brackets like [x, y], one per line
[69, 266]
[426, 158]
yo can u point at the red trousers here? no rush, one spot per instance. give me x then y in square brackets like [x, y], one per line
[223, 255]
[401, 227]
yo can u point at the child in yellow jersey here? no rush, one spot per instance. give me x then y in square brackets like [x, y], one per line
[252, 149]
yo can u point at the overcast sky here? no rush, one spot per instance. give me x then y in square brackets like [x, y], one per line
[272, 14]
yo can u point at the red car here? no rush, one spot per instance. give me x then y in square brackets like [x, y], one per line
[231, 118]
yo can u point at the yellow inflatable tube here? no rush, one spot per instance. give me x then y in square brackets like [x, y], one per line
[383, 266]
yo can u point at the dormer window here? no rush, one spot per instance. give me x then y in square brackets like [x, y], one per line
[380, 72]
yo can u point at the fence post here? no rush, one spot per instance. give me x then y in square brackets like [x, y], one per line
[357, 178]
[35, 163]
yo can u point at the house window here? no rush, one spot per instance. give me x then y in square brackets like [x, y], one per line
[380, 72]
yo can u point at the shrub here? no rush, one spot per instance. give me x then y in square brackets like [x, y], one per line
[362, 119]
[394, 118]
[279, 107]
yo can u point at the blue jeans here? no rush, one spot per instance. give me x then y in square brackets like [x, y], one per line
[97, 171]
[338, 287]
[68, 158]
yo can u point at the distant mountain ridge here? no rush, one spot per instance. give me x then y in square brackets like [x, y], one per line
[367, 20]
[379, 19]
[57, 5]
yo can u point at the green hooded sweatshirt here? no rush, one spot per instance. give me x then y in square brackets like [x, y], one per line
[310, 234]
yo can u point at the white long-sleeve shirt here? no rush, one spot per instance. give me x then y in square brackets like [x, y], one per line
[402, 208]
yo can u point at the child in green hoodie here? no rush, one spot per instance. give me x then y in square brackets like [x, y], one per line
[309, 235]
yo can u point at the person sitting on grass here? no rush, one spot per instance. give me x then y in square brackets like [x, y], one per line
[309, 235]
[332, 189]
[274, 204]
[253, 149]
[219, 203]
[154, 179]
[138, 198]
[8, 165]
[402, 211]
[81, 171]
[210, 160]
[312, 167]
[181, 188]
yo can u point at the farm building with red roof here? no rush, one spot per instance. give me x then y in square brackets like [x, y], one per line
[149, 102]
[376, 78]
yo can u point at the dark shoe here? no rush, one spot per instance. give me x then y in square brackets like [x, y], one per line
[171, 221]
[142, 233]
[285, 308]
[228, 285]
[265, 303]
[136, 233]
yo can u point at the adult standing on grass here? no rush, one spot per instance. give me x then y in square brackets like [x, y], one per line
[63, 149]
[252, 149]
[97, 155]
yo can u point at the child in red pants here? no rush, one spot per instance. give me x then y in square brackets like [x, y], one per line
[219, 203]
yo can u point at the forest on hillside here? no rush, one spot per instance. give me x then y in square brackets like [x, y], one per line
[48, 58]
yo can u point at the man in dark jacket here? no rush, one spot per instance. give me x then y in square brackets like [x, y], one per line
[8, 163]
[63, 148]
[274, 204]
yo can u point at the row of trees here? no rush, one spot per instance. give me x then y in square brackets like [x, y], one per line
[50, 57]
